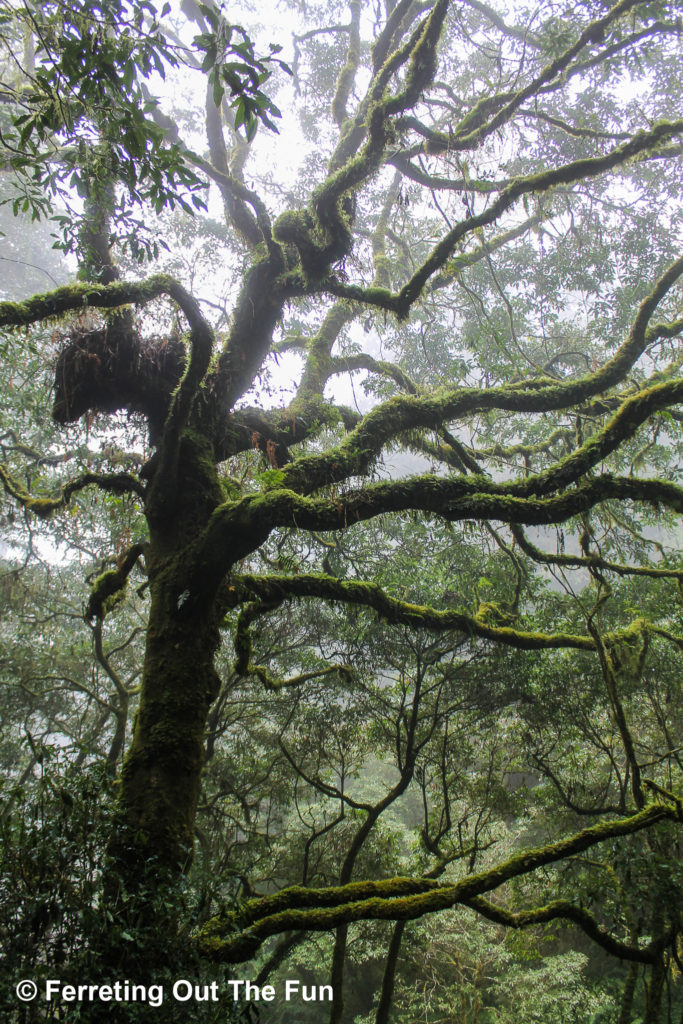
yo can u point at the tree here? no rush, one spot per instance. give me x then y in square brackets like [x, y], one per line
[493, 213]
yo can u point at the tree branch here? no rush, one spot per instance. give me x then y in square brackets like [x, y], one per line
[357, 452]
[588, 167]
[115, 483]
[397, 899]
[370, 595]
[564, 910]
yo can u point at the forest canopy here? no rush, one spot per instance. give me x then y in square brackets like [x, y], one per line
[340, 459]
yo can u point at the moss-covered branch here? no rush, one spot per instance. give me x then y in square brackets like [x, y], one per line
[347, 74]
[593, 33]
[115, 483]
[356, 453]
[238, 528]
[361, 361]
[629, 416]
[320, 364]
[80, 296]
[400, 303]
[327, 205]
[527, 451]
[479, 117]
[437, 182]
[201, 349]
[299, 897]
[623, 424]
[395, 25]
[108, 587]
[274, 431]
[454, 267]
[399, 899]
[493, 111]
[591, 561]
[275, 589]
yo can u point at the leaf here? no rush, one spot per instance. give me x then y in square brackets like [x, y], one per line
[217, 90]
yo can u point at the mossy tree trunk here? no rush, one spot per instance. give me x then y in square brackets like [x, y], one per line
[161, 774]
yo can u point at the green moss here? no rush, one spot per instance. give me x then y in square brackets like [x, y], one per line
[370, 595]
[294, 227]
[231, 489]
[293, 281]
[43, 507]
[300, 909]
[76, 296]
[491, 614]
[107, 592]
[382, 265]
[161, 774]
[378, 296]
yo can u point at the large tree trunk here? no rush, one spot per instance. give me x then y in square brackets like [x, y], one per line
[153, 835]
[162, 769]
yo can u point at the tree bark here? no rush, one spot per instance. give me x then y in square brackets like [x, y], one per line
[161, 773]
[387, 994]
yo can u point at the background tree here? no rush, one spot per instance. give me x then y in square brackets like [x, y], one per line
[483, 223]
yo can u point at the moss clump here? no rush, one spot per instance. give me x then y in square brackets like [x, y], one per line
[491, 614]
[109, 589]
[292, 225]
[231, 489]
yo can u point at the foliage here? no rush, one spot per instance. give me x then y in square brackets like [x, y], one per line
[52, 845]
[82, 111]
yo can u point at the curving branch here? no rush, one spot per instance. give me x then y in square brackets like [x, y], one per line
[591, 560]
[106, 592]
[275, 431]
[77, 297]
[347, 74]
[397, 899]
[564, 910]
[492, 112]
[244, 665]
[358, 451]
[521, 35]
[232, 191]
[567, 174]
[237, 528]
[44, 507]
[273, 590]
[361, 361]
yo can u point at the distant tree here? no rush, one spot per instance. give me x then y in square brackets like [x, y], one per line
[484, 223]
